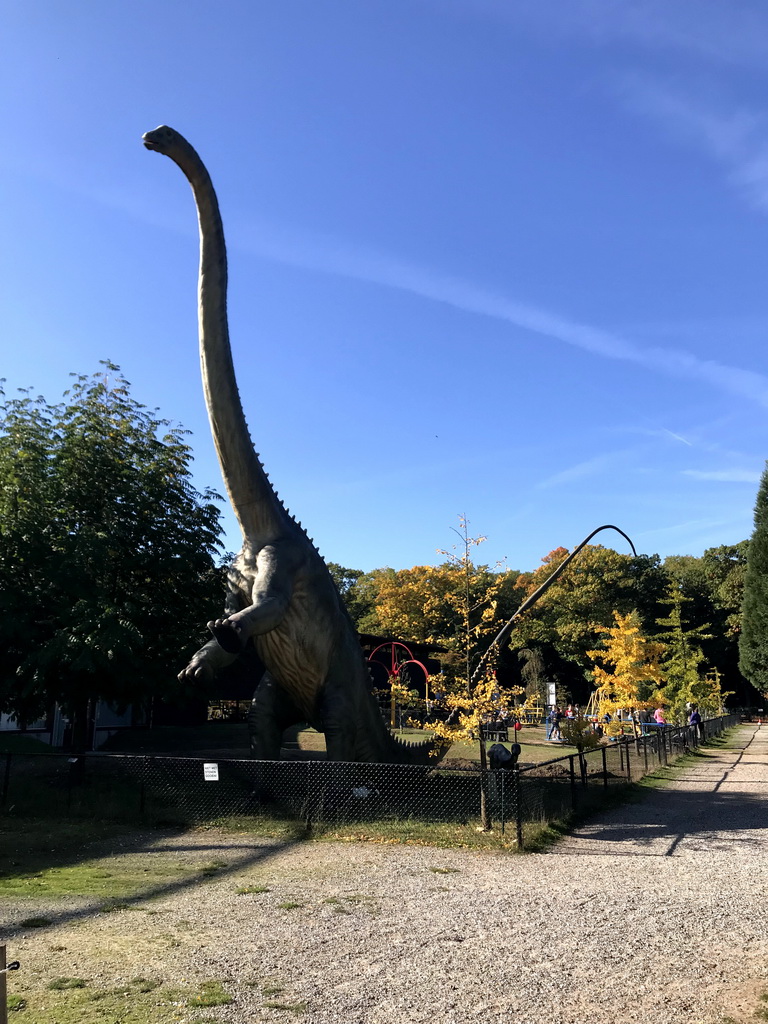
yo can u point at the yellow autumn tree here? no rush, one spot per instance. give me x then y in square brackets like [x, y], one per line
[633, 675]
[452, 606]
[467, 711]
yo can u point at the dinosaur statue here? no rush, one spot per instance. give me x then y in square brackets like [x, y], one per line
[281, 599]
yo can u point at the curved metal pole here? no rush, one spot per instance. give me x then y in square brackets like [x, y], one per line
[504, 632]
[393, 664]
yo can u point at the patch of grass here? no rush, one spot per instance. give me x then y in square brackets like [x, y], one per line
[444, 871]
[112, 906]
[12, 743]
[252, 890]
[16, 1003]
[35, 922]
[141, 1000]
[208, 993]
[182, 739]
[61, 984]
[142, 985]
[336, 905]
[411, 832]
[213, 868]
[54, 859]
[289, 905]
[272, 990]
[292, 1007]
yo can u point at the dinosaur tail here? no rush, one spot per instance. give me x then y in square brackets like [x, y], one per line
[425, 752]
[375, 742]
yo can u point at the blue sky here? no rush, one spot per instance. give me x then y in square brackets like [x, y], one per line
[492, 257]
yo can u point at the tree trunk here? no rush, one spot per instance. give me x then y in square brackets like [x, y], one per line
[81, 713]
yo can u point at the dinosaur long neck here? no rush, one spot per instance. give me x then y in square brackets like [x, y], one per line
[257, 507]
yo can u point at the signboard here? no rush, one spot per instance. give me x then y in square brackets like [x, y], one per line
[551, 695]
[211, 772]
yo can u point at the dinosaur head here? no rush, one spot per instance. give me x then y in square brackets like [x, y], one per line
[167, 141]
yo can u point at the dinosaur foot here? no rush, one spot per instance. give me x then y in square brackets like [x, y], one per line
[227, 635]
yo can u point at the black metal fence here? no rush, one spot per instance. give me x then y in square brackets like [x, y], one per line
[553, 789]
[171, 790]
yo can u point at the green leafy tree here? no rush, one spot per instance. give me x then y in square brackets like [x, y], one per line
[355, 592]
[567, 622]
[682, 659]
[713, 585]
[753, 643]
[106, 551]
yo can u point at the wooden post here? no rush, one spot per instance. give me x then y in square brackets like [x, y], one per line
[573, 781]
[605, 770]
[6, 778]
[518, 808]
[3, 987]
[485, 809]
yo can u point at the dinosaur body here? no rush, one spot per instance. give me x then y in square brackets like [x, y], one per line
[281, 597]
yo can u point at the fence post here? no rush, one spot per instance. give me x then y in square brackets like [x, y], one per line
[605, 770]
[572, 771]
[518, 808]
[503, 776]
[621, 754]
[143, 788]
[6, 778]
[629, 769]
[3, 987]
[645, 752]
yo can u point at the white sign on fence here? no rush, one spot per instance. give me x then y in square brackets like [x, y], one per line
[551, 695]
[211, 772]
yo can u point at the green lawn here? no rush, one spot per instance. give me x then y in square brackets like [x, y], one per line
[233, 739]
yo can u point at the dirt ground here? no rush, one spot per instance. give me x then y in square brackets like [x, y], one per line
[653, 912]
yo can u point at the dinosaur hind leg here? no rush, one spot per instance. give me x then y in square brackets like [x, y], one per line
[272, 712]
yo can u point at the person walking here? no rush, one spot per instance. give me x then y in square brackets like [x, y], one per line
[694, 719]
[550, 722]
[556, 734]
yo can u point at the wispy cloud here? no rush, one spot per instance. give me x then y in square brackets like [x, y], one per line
[736, 137]
[334, 257]
[733, 32]
[581, 470]
[688, 526]
[677, 437]
[730, 476]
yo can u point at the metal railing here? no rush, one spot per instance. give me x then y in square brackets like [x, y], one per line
[178, 790]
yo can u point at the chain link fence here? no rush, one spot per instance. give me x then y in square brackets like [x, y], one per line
[178, 790]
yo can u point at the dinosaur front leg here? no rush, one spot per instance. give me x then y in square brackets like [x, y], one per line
[233, 632]
[270, 597]
[206, 664]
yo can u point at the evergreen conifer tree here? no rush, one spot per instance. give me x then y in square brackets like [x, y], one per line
[753, 642]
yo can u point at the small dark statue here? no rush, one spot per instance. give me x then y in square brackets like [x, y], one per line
[500, 757]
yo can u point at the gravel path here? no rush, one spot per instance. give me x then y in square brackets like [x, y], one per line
[653, 912]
